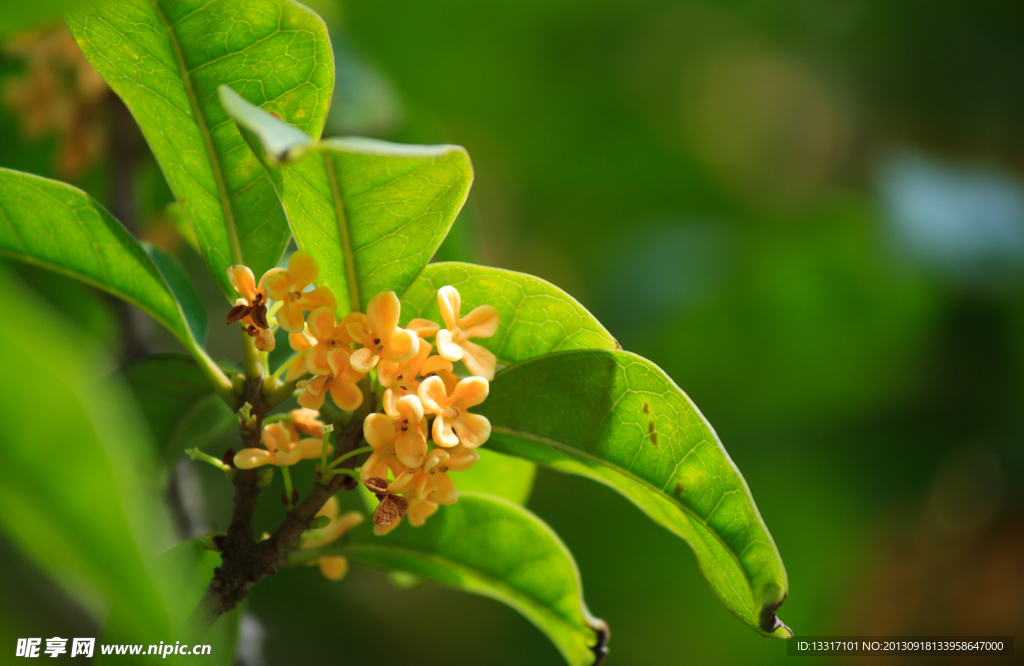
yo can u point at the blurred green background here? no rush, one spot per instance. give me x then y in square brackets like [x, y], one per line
[809, 213]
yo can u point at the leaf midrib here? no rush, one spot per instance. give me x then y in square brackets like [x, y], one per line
[215, 167]
[348, 256]
[575, 452]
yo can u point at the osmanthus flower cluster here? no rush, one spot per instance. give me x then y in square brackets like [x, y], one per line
[423, 429]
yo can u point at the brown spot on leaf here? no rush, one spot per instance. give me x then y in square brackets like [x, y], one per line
[647, 408]
[679, 489]
[654, 435]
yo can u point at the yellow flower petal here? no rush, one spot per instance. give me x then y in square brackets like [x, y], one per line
[297, 367]
[345, 394]
[302, 270]
[241, 278]
[481, 322]
[479, 361]
[410, 408]
[472, 429]
[319, 297]
[418, 512]
[443, 433]
[446, 348]
[307, 421]
[333, 567]
[444, 490]
[462, 459]
[288, 458]
[375, 465]
[299, 341]
[450, 302]
[379, 431]
[363, 360]
[252, 458]
[470, 392]
[289, 317]
[432, 395]
[424, 328]
[338, 360]
[276, 282]
[411, 447]
[382, 313]
[321, 323]
[276, 437]
[435, 365]
[402, 346]
[311, 449]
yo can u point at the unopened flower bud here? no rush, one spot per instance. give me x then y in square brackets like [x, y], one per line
[319, 522]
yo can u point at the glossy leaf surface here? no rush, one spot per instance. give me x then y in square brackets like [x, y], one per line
[371, 212]
[165, 58]
[617, 418]
[61, 228]
[486, 545]
[536, 317]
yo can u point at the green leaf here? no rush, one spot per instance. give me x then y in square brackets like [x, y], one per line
[536, 317]
[61, 228]
[619, 419]
[372, 213]
[78, 491]
[178, 402]
[497, 474]
[165, 59]
[489, 546]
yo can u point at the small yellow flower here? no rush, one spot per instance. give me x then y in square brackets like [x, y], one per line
[306, 421]
[333, 567]
[454, 424]
[401, 428]
[380, 336]
[419, 510]
[283, 448]
[343, 389]
[453, 343]
[332, 340]
[401, 379]
[251, 309]
[429, 482]
[287, 286]
[423, 328]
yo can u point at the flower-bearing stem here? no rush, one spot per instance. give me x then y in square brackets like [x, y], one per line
[196, 454]
[287, 486]
[350, 454]
[323, 451]
[252, 364]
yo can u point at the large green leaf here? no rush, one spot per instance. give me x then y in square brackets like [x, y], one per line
[178, 402]
[536, 317]
[61, 228]
[619, 419]
[489, 546]
[372, 213]
[78, 487]
[165, 58]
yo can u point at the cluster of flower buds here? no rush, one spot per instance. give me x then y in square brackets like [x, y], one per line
[424, 429]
